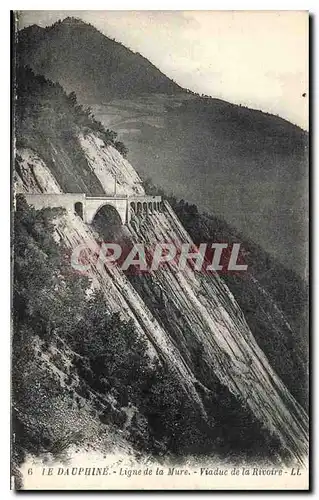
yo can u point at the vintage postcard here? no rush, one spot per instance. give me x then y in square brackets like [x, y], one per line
[160, 250]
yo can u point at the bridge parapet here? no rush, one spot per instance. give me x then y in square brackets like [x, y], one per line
[64, 200]
[88, 206]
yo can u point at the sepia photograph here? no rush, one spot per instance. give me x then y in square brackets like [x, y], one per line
[160, 250]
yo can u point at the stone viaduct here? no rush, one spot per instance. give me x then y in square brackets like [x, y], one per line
[88, 206]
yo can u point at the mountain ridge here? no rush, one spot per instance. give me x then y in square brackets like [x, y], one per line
[167, 359]
[25, 33]
[110, 56]
[226, 158]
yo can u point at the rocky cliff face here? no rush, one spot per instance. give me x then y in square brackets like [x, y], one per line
[190, 320]
[209, 152]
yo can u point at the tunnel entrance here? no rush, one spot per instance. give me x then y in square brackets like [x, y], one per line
[107, 222]
[78, 209]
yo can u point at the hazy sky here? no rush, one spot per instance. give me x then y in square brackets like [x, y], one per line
[255, 58]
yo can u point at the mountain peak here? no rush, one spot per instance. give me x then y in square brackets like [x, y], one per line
[32, 30]
[73, 21]
[74, 59]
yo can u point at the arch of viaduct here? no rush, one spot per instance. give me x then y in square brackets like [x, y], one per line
[88, 206]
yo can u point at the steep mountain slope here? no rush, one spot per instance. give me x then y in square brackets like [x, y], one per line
[191, 321]
[98, 68]
[60, 131]
[245, 166]
[229, 160]
[204, 318]
[273, 299]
